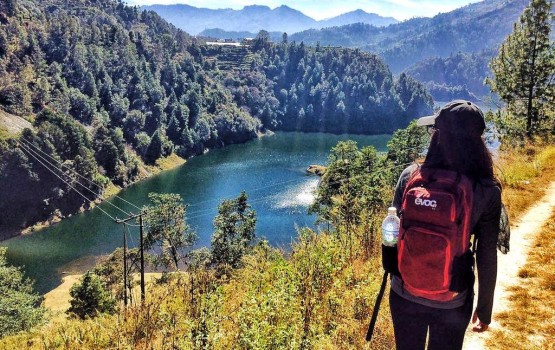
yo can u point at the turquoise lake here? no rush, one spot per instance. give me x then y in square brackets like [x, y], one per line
[271, 169]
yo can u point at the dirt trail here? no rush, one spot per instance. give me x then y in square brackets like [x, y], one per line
[523, 234]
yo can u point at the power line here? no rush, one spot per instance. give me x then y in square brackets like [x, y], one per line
[64, 181]
[190, 205]
[29, 143]
[209, 211]
[28, 149]
[195, 214]
[289, 181]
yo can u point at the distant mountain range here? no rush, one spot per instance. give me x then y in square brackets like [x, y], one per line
[430, 49]
[427, 48]
[254, 18]
[472, 29]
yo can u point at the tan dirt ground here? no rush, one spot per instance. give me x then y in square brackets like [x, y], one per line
[523, 234]
[12, 123]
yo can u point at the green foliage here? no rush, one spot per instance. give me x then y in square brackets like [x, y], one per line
[31, 192]
[460, 75]
[89, 298]
[140, 86]
[20, 308]
[294, 87]
[234, 231]
[316, 260]
[154, 149]
[407, 145]
[110, 272]
[354, 188]
[167, 229]
[354, 180]
[524, 70]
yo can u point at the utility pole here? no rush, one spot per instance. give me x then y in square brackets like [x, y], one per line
[124, 267]
[142, 259]
[131, 217]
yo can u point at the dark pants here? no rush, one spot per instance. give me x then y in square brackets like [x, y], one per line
[411, 322]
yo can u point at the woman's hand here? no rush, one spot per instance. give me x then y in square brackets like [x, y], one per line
[479, 326]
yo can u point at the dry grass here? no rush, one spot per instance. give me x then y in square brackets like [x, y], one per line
[111, 190]
[349, 298]
[525, 174]
[162, 164]
[57, 300]
[4, 133]
[170, 162]
[530, 322]
[11, 125]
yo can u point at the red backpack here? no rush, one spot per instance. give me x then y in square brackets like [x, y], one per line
[434, 234]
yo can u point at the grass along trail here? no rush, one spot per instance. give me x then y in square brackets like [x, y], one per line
[523, 236]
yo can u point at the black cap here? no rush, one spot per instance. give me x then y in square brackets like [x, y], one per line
[457, 116]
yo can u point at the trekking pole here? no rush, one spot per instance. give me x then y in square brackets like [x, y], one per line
[376, 308]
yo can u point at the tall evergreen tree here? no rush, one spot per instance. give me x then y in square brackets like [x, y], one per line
[89, 298]
[235, 231]
[167, 228]
[524, 70]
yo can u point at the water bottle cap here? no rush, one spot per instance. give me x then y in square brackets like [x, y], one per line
[392, 211]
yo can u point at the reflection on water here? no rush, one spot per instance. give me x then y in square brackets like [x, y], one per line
[301, 195]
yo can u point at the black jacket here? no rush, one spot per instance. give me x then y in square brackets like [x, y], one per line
[486, 212]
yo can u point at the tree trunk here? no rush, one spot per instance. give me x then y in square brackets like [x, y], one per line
[529, 112]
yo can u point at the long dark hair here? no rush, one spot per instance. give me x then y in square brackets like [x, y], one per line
[466, 154]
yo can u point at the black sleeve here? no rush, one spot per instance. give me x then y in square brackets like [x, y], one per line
[486, 232]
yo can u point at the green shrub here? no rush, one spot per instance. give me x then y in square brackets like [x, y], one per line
[20, 308]
[89, 298]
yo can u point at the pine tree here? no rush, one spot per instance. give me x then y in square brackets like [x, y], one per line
[168, 230]
[524, 70]
[235, 231]
[155, 148]
[89, 298]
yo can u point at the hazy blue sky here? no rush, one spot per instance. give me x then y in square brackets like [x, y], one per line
[320, 9]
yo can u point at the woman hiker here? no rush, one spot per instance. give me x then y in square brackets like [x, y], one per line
[456, 145]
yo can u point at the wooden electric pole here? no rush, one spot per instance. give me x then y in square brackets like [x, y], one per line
[124, 266]
[142, 259]
[124, 221]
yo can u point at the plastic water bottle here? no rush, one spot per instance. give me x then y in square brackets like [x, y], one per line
[390, 228]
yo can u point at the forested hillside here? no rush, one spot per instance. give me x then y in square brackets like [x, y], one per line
[109, 88]
[461, 75]
[329, 90]
[105, 82]
[470, 30]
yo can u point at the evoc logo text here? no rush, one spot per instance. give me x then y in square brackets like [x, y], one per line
[425, 202]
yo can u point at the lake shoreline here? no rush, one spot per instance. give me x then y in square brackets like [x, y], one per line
[272, 170]
[168, 163]
[164, 164]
